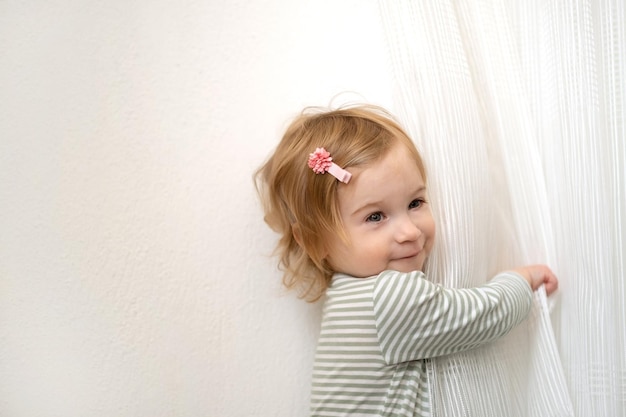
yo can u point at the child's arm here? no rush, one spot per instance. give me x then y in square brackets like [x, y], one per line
[417, 319]
[536, 275]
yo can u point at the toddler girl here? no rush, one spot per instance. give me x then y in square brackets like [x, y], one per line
[346, 191]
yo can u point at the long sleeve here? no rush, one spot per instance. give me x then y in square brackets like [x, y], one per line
[416, 319]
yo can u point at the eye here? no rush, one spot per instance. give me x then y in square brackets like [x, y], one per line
[375, 217]
[416, 203]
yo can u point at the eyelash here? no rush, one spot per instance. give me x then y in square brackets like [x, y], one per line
[370, 219]
[420, 202]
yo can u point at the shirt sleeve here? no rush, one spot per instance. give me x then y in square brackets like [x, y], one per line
[417, 319]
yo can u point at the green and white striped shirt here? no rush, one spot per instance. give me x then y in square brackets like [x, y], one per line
[378, 332]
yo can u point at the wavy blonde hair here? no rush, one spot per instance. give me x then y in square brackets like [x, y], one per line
[302, 206]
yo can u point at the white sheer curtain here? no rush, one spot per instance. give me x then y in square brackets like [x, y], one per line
[518, 108]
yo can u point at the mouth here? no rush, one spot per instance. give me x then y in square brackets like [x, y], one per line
[410, 256]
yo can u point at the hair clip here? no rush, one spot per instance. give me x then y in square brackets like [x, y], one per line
[321, 162]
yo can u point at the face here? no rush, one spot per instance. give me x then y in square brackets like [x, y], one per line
[386, 217]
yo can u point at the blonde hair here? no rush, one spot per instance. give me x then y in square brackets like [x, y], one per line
[302, 206]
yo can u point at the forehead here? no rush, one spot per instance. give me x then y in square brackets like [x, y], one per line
[395, 173]
[397, 162]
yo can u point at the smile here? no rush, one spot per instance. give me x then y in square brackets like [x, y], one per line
[408, 256]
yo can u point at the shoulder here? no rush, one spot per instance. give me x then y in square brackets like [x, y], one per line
[346, 286]
[397, 275]
[343, 282]
[401, 281]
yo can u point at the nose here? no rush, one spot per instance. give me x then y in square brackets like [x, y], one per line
[406, 230]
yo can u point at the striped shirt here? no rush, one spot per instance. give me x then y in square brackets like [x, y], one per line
[378, 333]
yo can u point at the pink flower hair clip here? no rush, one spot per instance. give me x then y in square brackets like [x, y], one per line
[321, 162]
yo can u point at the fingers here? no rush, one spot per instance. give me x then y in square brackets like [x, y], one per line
[542, 274]
[551, 283]
[545, 276]
[536, 275]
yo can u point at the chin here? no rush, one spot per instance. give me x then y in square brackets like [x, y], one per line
[407, 267]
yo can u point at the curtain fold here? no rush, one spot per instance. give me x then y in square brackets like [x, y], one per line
[518, 108]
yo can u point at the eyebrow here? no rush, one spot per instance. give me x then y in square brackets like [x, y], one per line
[377, 203]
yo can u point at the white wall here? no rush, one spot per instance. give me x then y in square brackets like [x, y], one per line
[134, 276]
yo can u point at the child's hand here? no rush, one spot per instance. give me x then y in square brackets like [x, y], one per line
[537, 275]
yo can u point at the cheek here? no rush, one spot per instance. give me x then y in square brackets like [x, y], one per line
[431, 232]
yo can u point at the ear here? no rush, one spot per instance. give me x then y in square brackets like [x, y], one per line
[297, 235]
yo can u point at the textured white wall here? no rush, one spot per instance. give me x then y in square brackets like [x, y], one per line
[134, 276]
